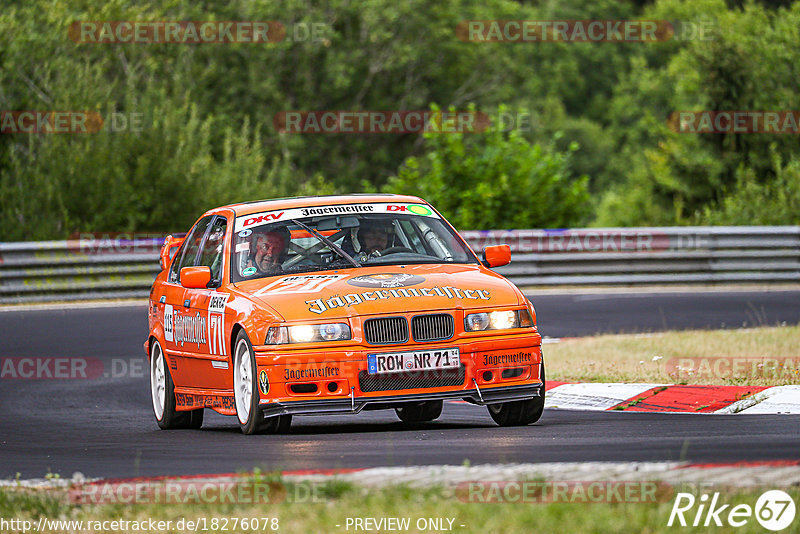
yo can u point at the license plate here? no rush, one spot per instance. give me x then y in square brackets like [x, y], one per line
[418, 360]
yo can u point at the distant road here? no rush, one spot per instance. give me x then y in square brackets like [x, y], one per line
[593, 313]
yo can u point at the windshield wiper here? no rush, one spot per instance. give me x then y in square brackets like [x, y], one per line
[333, 246]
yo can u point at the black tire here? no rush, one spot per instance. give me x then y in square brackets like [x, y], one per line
[245, 389]
[419, 412]
[195, 419]
[519, 413]
[162, 393]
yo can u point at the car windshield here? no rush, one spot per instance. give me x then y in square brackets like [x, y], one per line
[275, 243]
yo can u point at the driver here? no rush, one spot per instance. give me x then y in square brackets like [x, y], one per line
[268, 251]
[374, 237]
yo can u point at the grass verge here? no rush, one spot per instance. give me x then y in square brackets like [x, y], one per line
[334, 502]
[766, 356]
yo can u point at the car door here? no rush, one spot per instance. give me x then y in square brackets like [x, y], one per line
[210, 365]
[178, 332]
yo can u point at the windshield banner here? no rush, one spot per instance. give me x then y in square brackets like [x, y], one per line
[257, 219]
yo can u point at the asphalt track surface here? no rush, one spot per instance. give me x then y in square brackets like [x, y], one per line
[104, 426]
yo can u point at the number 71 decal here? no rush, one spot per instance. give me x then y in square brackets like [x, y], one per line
[216, 324]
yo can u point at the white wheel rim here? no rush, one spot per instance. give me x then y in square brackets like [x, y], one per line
[158, 380]
[243, 381]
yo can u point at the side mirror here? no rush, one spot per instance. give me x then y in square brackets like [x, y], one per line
[497, 256]
[195, 277]
[170, 243]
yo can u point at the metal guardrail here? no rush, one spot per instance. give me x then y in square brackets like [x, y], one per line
[122, 268]
[632, 256]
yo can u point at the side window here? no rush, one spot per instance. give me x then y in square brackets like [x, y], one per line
[185, 256]
[176, 261]
[212, 253]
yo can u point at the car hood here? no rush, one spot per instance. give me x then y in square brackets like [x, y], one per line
[381, 290]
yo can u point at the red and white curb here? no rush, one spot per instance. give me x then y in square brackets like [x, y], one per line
[780, 473]
[672, 398]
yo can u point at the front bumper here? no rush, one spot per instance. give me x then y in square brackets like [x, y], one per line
[335, 385]
[354, 405]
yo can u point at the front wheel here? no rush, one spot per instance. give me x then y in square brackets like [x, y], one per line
[421, 412]
[162, 392]
[245, 393]
[519, 413]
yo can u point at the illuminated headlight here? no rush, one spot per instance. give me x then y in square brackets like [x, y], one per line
[308, 333]
[497, 320]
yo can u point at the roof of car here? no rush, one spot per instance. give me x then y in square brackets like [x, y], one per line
[257, 206]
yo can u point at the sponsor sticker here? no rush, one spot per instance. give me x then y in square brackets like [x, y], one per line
[416, 209]
[314, 372]
[218, 303]
[307, 283]
[319, 306]
[386, 280]
[190, 400]
[189, 328]
[169, 327]
[499, 359]
[263, 383]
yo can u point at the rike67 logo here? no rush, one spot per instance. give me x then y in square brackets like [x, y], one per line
[774, 510]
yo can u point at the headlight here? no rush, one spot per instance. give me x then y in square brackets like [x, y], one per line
[308, 333]
[497, 320]
[501, 320]
[476, 321]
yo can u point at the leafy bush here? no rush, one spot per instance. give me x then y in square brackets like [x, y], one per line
[495, 179]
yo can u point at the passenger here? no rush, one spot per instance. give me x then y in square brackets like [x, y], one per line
[374, 236]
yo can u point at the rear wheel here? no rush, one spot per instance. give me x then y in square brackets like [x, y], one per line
[519, 413]
[245, 393]
[162, 392]
[419, 412]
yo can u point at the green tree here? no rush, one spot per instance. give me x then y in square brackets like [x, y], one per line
[495, 179]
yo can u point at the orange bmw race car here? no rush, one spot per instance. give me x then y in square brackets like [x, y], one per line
[324, 305]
